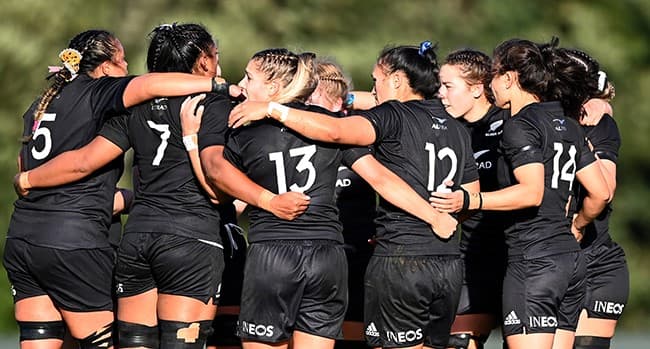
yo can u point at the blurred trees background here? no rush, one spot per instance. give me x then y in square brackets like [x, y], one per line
[617, 33]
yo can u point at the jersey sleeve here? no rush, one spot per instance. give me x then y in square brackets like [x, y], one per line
[385, 120]
[215, 121]
[521, 142]
[116, 130]
[606, 139]
[586, 157]
[352, 154]
[232, 152]
[107, 96]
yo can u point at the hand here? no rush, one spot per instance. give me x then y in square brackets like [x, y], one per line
[447, 202]
[594, 109]
[247, 112]
[444, 225]
[18, 184]
[289, 205]
[577, 233]
[191, 115]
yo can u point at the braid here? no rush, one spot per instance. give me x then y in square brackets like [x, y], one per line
[177, 47]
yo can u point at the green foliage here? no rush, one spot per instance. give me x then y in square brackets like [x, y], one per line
[32, 32]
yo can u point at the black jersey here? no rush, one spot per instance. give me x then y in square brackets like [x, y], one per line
[483, 231]
[281, 160]
[426, 147]
[357, 204]
[606, 140]
[169, 198]
[75, 215]
[541, 133]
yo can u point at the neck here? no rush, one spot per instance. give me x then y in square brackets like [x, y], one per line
[520, 100]
[479, 110]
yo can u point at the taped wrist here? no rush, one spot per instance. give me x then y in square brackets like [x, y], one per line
[191, 142]
[278, 111]
[220, 88]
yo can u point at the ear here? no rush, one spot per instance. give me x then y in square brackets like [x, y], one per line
[106, 68]
[396, 80]
[273, 87]
[477, 90]
[510, 78]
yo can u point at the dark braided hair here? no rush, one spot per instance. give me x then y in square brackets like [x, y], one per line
[420, 67]
[176, 47]
[295, 72]
[535, 72]
[476, 68]
[96, 47]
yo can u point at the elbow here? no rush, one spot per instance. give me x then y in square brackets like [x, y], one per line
[535, 198]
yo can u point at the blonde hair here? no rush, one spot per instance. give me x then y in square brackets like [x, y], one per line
[296, 73]
[331, 80]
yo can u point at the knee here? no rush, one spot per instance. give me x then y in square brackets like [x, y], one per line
[186, 335]
[35, 330]
[590, 342]
[132, 335]
[102, 338]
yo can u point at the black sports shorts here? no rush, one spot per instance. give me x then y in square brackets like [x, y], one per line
[293, 285]
[411, 300]
[175, 265]
[544, 294]
[76, 280]
[608, 282]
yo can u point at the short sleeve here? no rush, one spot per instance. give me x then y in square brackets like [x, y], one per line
[470, 171]
[232, 152]
[352, 154]
[605, 138]
[214, 123]
[385, 119]
[107, 96]
[521, 142]
[116, 130]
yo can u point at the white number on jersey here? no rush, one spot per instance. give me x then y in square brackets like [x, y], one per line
[568, 171]
[164, 136]
[445, 152]
[306, 153]
[47, 136]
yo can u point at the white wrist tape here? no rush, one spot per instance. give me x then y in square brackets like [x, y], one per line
[278, 111]
[190, 142]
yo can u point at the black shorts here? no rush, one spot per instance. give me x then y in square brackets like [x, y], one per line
[293, 285]
[175, 265]
[76, 280]
[411, 300]
[358, 258]
[544, 294]
[608, 282]
[483, 284]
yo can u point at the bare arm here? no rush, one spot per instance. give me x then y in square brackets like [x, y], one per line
[594, 202]
[354, 130]
[226, 177]
[72, 165]
[152, 85]
[363, 100]
[190, 124]
[399, 193]
[528, 192]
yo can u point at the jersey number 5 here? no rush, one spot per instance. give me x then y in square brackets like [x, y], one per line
[445, 152]
[47, 137]
[306, 154]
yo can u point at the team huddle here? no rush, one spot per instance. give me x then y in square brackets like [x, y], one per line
[453, 199]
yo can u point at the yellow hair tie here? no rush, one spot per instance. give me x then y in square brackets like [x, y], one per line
[71, 59]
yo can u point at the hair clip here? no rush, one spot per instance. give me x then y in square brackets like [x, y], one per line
[71, 59]
[424, 46]
[602, 80]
